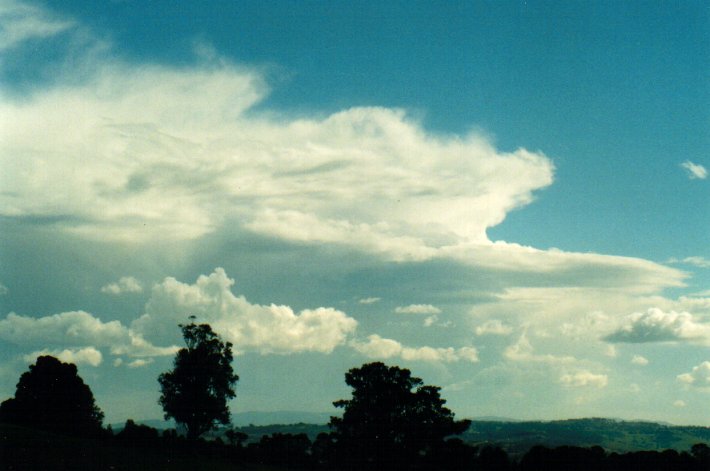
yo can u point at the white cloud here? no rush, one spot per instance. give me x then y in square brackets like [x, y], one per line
[639, 360]
[86, 356]
[418, 309]
[126, 284]
[523, 351]
[383, 348]
[700, 262]
[655, 325]
[698, 377]
[21, 22]
[77, 329]
[371, 300]
[694, 171]
[250, 327]
[3, 290]
[494, 327]
[679, 403]
[584, 378]
[155, 153]
[139, 362]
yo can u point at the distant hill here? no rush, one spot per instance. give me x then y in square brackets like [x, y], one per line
[280, 417]
[243, 419]
[613, 435]
[515, 437]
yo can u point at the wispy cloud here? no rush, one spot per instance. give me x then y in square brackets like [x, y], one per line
[697, 261]
[371, 300]
[694, 171]
[21, 22]
[417, 309]
[493, 327]
[584, 378]
[523, 351]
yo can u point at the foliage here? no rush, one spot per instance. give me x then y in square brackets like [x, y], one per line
[195, 393]
[392, 419]
[613, 435]
[51, 396]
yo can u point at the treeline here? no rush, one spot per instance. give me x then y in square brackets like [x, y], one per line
[392, 421]
[142, 447]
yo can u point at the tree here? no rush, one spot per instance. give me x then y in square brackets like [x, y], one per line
[196, 391]
[392, 420]
[51, 396]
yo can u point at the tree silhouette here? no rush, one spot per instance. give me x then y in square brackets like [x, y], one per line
[392, 420]
[196, 391]
[51, 396]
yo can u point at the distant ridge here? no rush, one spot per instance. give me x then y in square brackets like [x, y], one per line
[494, 418]
[280, 417]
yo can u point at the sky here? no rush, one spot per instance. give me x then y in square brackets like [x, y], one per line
[510, 199]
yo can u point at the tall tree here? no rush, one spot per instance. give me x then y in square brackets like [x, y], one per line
[52, 396]
[196, 391]
[392, 419]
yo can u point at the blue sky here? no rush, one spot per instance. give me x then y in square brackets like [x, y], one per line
[508, 198]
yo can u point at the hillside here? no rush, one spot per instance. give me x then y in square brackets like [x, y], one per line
[613, 435]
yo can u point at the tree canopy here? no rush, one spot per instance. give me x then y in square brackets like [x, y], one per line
[196, 391]
[51, 396]
[391, 420]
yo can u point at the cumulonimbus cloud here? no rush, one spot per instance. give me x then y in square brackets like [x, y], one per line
[154, 152]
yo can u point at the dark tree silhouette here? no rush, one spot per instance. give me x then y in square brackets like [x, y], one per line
[51, 396]
[392, 420]
[196, 391]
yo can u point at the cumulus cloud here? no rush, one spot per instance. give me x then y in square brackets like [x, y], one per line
[584, 378]
[77, 329]
[679, 403]
[698, 377]
[384, 348]
[418, 309]
[3, 290]
[83, 356]
[639, 360]
[494, 327]
[250, 327]
[694, 171]
[126, 284]
[656, 325]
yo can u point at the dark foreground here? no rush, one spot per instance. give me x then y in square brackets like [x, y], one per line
[27, 449]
